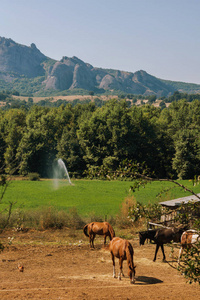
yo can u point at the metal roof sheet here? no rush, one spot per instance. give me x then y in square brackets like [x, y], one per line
[179, 201]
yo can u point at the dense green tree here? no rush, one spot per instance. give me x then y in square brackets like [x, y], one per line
[106, 134]
[37, 148]
[84, 135]
[186, 160]
[12, 129]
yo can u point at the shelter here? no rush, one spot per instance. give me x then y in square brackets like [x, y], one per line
[169, 218]
[177, 202]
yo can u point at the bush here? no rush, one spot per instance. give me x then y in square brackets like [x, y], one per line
[34, 176]
[123, 220]
[149, 212]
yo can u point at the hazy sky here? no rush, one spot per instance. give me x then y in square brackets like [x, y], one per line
[161, 37]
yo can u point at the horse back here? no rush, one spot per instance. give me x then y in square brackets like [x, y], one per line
[100, 228]
[166, 235]
[117, 247]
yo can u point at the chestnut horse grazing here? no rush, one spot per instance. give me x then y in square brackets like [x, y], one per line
[188, 239]
[123, 250]
[100, 228]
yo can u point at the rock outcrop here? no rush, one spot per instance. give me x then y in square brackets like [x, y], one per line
[20, 59]
[72, 73]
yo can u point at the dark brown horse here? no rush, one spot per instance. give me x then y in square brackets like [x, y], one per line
[188, 239]
[160, 237]
[100, 228]
[123, 250]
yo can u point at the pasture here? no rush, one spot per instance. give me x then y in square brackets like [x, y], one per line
[59, 266]
[89, 197]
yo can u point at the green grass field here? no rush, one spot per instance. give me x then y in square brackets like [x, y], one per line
[90, 197]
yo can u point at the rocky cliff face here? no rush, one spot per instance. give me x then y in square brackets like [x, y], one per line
[20, 59]
[73, 73]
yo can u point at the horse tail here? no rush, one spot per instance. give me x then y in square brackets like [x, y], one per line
[129, 255]
[112, 232]
[85, 230]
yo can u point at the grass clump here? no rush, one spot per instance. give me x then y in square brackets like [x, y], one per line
[34, 176]
[47, 218]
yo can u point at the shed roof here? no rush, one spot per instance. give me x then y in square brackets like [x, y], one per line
[179, 201]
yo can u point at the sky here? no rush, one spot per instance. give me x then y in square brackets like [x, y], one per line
[161, 37]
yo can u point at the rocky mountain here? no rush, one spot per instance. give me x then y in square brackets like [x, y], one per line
[73, 73]
[20, 59]
[18, 62]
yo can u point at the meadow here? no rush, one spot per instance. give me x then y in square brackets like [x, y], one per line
[89, 197]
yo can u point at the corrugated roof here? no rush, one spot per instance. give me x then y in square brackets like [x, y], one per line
[179, 201]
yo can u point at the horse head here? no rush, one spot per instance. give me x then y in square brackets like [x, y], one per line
[142, 238]
[131, 274]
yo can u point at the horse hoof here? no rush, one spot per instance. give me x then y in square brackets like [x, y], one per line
[119, 278]
[132, 282]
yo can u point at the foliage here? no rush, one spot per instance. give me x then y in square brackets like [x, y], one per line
[190, 265]
[91, 136]
[189, 214]
[152, 211]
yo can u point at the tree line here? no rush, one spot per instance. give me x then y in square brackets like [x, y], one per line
[85, 136]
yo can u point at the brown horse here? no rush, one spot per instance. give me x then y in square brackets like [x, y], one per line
[188, 239]
[123, 250]
[160, 237]
[100, 228]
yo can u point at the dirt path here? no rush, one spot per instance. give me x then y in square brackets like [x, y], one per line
[56, 268]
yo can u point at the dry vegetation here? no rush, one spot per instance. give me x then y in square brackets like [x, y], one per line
[68, 98]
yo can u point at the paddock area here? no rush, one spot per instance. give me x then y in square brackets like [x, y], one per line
[60, 265]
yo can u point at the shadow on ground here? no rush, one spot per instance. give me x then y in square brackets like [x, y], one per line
[147, 280]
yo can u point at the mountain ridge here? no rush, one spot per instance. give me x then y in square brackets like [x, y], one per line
[20, 64]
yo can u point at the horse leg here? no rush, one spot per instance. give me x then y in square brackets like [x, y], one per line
[120, 268]
[90, 239]
[157, 247]
[163, 252]
[113, 260]
[104, 239]
[93, 236]
[179, 255]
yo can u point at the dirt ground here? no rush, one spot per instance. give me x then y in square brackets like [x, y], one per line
[60, 265]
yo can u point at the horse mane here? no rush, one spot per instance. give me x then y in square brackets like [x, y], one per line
[111, 230]
[85, 230]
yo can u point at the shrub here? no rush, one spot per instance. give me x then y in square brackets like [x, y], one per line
[34, 176]
[149, 212]
[190, 266]
[123, 220]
